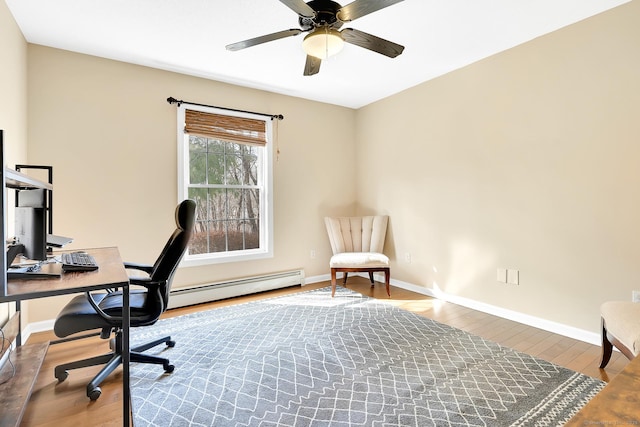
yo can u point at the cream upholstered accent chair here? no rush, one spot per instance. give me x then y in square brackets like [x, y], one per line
[357, 244]
[620, 328]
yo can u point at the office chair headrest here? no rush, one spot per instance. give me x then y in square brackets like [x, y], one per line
[185, 214]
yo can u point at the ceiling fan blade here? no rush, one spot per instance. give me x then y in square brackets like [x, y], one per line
[361, 8]
[312, 66]
[300, 7]
[263, 39]
[371, 42]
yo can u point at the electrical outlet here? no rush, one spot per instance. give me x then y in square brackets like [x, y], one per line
[407, 257]
[635, 296]
[312, 254]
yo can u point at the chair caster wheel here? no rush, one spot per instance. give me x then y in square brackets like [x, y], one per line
[94, 394]
[61, 376]
[169, 368]
[171, 343]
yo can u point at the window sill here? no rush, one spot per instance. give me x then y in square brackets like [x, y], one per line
[198, 260]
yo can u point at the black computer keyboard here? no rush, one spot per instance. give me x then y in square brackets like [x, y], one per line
[78, 261]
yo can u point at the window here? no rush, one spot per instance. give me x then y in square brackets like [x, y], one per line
[224, 164]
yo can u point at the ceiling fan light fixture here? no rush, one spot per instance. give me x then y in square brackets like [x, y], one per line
[323, 43]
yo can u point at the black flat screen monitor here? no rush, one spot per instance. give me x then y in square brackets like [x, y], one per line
[31, 224]
[31, 232]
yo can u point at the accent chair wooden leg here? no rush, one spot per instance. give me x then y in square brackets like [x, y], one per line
[607, 347]
[333, 282]
[344, 278]
[371, 279]
[387, 273]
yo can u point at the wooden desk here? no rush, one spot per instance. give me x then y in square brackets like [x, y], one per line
[110, 274]
[618, 404]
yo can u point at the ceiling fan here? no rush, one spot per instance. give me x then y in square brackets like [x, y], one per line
[322, 19]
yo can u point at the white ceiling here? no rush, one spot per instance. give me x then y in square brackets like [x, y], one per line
[189, 36]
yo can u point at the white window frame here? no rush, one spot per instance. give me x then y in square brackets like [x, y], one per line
[266, 200]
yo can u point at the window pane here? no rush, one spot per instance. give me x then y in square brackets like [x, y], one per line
[234, 170]
[218, 236]
[234, 203]
[215, 162]
[197, 160]
[217, 208]
[199, 242]
[252, 235]
[216, 146]
[252, 203]
[250, 168]
[251, 219]
[234, 230]
[217, 216]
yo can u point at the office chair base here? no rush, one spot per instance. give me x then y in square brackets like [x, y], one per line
[112, 360]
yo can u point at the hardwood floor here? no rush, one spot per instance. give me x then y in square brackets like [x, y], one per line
[58, 404]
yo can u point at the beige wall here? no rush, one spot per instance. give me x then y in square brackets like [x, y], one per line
[13, 108]
[107, 130]
[527, 160]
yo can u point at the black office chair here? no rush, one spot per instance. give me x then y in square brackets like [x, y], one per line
[104, 310]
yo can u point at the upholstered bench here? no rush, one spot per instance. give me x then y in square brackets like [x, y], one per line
[357, 244]
[620, 328]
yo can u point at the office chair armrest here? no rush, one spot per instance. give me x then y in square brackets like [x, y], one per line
[152, 286]
[136, 280]
[145, 282]
[114, 320]
[142, 267]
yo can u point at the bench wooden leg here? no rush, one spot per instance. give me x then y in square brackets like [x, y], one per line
[387, 273]
[333, 282]
[607, 347]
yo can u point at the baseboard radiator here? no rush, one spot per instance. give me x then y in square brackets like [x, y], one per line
[197, 294]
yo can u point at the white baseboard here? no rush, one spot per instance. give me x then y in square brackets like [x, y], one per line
[35, 327]
[526, 319]
[317, 279]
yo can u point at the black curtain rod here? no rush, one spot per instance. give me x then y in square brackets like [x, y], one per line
[172, 100]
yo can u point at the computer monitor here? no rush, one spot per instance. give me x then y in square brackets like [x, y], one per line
[31, 223]
[30, 227]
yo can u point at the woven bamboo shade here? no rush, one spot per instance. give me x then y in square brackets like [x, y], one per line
[227, 128]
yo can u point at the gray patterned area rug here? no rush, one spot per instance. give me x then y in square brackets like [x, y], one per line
[307, 359]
